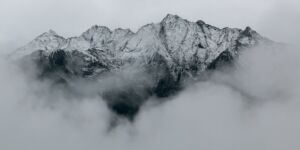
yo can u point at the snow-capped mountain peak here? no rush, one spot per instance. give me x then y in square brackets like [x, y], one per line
[169, 52]
[52, 32]
[176, 39]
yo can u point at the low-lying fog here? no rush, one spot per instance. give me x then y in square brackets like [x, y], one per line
[255, 107]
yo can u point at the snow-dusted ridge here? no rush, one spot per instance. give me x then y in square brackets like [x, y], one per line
[169, 52]
[180, 37]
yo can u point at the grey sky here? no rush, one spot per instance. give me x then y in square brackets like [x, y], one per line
[209, 115]
[22, 20]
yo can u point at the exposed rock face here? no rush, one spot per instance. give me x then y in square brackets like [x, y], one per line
[168, 53]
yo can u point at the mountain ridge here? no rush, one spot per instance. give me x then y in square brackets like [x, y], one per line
[168, 53]
[63, 42]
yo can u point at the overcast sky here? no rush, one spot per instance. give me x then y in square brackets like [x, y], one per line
[23, 20]
[214, 114]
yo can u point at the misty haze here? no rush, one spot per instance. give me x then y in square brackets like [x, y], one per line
[145, 75]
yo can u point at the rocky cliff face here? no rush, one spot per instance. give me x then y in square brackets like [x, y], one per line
[165, 55]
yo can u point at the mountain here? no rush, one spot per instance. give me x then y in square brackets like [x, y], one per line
[154, 61]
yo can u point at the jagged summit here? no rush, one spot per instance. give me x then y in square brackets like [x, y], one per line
[200, 22]
[98, 36]
[96, 31]
[249, 31]
[169, 53]
[171, 18]
[47, 34]
[52, 32]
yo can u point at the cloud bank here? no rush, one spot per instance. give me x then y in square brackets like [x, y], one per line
[255, 106]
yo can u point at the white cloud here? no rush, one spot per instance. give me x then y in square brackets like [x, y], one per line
[256, 107]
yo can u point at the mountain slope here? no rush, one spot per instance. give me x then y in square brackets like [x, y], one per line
[160, 57]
